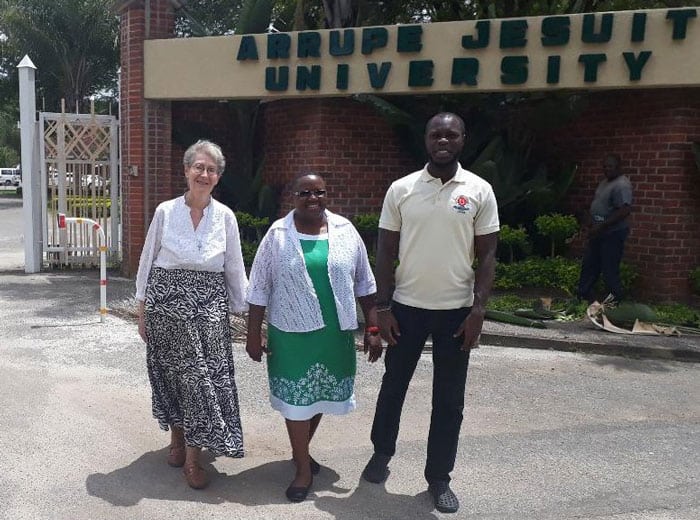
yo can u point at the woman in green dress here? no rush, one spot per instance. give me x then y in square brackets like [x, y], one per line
[309, 269]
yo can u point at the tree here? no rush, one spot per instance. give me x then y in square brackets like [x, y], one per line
[340, 13]
[73, 43]
[370, 12]
[207, 17]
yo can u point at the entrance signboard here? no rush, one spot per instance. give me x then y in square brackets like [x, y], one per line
[626, 49]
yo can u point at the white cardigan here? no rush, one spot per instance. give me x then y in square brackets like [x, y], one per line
[280, 282]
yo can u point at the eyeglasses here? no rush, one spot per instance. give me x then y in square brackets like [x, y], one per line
[305, 194]
[201, 168]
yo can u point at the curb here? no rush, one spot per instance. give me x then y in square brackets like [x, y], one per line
[609, 349]
[685, 355]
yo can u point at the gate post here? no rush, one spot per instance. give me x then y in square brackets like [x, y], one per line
[31, 185]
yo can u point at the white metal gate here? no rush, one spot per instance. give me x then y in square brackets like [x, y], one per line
[80, 178]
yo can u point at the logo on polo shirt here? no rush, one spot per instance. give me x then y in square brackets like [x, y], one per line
[462, 204]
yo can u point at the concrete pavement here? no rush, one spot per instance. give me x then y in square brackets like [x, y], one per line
[547, 435]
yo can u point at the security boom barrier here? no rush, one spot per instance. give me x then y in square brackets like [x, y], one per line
[62, 223]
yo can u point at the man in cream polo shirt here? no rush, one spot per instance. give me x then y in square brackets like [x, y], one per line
[436, 222]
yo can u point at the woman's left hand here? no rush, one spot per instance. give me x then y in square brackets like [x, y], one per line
[142, 321]
[255, 347]
[373, 347]
[142, 328]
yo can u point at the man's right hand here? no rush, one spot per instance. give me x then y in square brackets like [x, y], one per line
[594, 230]
[388, 327]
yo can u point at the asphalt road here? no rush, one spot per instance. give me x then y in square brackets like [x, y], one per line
[11, 232]
[546, 436]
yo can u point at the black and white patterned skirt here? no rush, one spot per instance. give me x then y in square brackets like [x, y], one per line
[189, 358]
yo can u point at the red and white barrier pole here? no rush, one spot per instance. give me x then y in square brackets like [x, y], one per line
[62, 221]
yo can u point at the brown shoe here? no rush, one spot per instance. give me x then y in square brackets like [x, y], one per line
[176, 457]
[196, 477]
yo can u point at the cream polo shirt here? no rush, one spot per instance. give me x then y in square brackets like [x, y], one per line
[438, 223]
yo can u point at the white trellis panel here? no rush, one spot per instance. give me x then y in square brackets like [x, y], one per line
[80, 178]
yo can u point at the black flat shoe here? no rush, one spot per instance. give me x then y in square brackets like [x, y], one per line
[298, 493]
[315, 466]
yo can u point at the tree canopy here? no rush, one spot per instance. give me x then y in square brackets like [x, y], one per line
[318, 14]
[73, 43]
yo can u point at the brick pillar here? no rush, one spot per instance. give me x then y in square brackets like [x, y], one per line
[354, 148]
[145, 127]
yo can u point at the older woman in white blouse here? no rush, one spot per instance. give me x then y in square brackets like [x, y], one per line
[190, 276]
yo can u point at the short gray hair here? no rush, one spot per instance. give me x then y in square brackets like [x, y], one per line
[213, 150]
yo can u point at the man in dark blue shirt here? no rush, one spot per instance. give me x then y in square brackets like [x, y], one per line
[607, 231]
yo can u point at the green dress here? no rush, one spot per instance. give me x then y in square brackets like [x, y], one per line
[313, 372]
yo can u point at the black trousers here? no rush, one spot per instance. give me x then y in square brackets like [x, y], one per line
[603, 255]
[450, 365]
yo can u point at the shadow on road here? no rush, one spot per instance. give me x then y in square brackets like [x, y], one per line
[148, 477]
[374, 501]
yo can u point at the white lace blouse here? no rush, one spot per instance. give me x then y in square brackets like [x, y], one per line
[280, 282]
[173, 243]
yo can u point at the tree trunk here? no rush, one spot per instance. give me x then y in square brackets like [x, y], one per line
[340, 13]
[299, 22]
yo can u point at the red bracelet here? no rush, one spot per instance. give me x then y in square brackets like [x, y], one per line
[372, 330]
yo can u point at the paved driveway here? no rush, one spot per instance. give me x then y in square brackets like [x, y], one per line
[11, 233]
[547, 435]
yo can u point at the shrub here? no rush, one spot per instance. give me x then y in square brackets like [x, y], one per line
[695, 280]
[556, 273]
[508, 303]
[558, 228]
[248, 248]
[514, 239]
[367, 225]
[366, 222]
[84, 207]
[628, 276]
[677, 314]
[252, 228]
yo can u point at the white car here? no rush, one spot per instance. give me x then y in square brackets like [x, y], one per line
[9, 177]
[99, 182]
[53, 178]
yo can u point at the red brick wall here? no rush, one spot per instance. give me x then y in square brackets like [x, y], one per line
[353, 148]
[359, 155]
[652, 131]
[145, 128]
[201, 120]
